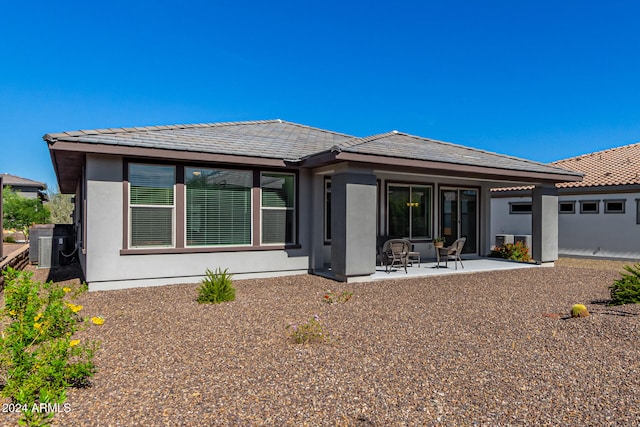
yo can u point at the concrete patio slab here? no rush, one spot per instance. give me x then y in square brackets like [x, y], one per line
[429, 268]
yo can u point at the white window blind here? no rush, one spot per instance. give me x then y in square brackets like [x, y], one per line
[278, 208]
[218, 207]
[152, 205]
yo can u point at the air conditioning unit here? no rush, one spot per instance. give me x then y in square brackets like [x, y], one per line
[49, 248]
[503, 239]
[524, 238]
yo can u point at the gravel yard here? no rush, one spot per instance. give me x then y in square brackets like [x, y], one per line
[489, 349]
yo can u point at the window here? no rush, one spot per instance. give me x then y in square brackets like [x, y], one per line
[218, 207]
[409, 211]
[327, 210]
[589, 206]
[151, 205]
[637, 211]
[614, 206]
[278, 208]
[567, 207]
[519, 208]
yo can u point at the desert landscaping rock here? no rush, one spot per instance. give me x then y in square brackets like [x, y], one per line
[493, 348]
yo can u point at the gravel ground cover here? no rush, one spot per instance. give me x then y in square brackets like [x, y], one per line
[492, 348]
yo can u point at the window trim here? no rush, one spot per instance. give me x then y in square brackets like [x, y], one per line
[327, 210]
[129, 207]
[607, 210]
[410, 185]
[567, 202]
[525, 212]
[294, 209]
[179, 220]
[583, 202]
[185, 210]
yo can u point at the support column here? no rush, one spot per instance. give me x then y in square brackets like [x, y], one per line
[353, 224]
[544, 224]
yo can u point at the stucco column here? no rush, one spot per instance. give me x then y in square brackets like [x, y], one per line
[353, 224]
[544, 224]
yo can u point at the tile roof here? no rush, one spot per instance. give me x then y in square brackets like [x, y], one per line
[284, 141]
[402, 145]
[8, 179]
[615, 166]
[275, 139]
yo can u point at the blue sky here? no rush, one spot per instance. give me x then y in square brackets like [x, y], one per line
[542, 80]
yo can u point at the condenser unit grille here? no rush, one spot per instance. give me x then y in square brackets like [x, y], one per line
[45, 249]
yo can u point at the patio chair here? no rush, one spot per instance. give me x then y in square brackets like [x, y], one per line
[395, 252]
[452, 251]
[413, 255]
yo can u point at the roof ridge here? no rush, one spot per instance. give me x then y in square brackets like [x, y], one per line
[312, 127]
[53, 136]
[597, 152]
[395, 132]
[356, 140]
[151, 128]
[22, 178]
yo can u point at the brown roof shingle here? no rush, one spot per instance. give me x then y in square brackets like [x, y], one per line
[615, 166]
[611, 167]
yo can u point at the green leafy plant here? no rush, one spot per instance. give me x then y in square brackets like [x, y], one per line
[309, 332]
[438, 240]
[514, 251]
[39, 358]
[337, 297]
[626, 290]
[216, 287]
[20, 212]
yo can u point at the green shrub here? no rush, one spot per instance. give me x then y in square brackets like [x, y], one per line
[216, 287]
[9, 239]
[39, 359]
[626, 290]
[309, 332]
[514, 251]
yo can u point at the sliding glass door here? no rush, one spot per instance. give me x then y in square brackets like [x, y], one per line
[459, 217]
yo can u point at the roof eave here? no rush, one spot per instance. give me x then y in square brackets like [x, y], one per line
[469, 171]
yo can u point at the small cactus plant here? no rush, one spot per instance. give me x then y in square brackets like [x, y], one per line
[579, 310]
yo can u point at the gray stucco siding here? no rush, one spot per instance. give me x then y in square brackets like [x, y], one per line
[110, 265]
[611, 235]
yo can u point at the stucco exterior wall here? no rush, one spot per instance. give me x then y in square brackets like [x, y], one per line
[107, 268]
[607, 235]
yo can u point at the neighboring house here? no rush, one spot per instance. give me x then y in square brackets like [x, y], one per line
[26, 187]
[161, 204]
[598, 217]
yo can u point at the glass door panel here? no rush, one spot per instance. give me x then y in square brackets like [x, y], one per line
[459, 217]
[449, 216]
[468, 219]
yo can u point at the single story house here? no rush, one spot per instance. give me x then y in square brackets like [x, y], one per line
[597, 217]
[161, 204]
[27, 188]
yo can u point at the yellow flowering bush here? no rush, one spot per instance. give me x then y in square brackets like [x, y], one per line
[38, 355]
[97, 320]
